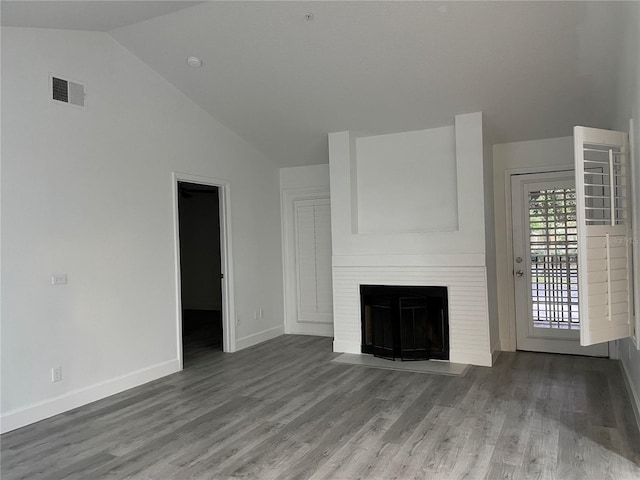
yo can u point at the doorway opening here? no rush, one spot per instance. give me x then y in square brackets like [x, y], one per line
[199, 230]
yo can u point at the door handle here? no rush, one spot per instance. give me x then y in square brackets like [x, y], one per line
[519, 273]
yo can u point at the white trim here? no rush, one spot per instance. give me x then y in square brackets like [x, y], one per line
[76, 398]
[508, 252]
[343, 346]
[427, 260]
[226, 258]
[472, 358]
[317, 329]
[634, 162]
[287, 198]
[634, 396]
[256, 338]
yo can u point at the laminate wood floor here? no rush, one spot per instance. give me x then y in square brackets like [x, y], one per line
[282, 410]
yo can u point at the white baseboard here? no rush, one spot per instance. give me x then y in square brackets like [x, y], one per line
[256, 338]
[472, 358]
[317, 329]
[341, 346]
[634, 396]
[76, 398]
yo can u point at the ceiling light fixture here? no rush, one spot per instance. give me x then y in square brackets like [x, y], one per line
[194, 62]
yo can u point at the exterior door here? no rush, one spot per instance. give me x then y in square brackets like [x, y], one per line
[545, 246]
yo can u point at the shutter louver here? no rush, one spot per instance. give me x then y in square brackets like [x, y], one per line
[604, 247]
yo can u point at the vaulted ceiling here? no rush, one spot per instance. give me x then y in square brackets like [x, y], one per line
[282, 81]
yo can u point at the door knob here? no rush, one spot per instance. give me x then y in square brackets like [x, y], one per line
[519, 273]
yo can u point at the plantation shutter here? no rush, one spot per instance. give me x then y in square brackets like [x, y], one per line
[604, 247]
[313, 260]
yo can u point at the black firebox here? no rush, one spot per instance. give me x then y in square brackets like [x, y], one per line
[405, 322]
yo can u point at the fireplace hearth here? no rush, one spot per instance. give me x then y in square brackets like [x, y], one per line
[405, 322]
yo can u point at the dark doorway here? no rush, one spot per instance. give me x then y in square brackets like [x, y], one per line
[200, 270]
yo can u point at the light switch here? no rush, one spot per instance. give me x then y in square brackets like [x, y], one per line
[58, 279]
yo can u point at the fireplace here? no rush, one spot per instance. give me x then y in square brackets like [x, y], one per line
[405, 322]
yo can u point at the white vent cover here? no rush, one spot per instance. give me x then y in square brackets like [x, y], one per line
[66, 91]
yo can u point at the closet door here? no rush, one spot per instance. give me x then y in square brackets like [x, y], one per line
[313, 261]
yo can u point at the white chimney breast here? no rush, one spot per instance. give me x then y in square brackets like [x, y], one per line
[452, 255]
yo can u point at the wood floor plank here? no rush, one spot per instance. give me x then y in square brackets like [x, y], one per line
[281, 410]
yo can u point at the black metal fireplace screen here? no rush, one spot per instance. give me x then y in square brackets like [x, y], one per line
[405, 322]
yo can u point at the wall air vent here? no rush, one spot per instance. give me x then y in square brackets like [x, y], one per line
[66, 91]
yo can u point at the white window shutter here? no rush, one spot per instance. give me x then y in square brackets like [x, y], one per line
[313, 260]
[604, 244]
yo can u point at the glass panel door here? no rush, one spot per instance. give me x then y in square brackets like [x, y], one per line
[545, 264]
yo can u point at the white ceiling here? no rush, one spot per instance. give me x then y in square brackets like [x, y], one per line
[282, 83]
[84, 15]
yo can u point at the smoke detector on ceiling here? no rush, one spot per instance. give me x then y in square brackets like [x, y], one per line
[194, 62]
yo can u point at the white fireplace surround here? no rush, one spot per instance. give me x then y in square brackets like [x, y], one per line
[467, 295]
[431, 250]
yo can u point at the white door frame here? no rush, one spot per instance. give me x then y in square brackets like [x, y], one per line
[226, 257]
[287, 200]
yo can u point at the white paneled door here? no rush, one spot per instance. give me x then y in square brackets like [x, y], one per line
[546, 266]
[308, 273]
[313, 260]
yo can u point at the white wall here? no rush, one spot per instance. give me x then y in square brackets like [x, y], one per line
[88, 192]
[304, 177]
[510, 158]
[299, 184]
[628, 106]
[452, 258]
[406, 182]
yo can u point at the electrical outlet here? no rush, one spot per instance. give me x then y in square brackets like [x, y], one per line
[56, 374]
[58, 279]
[260, 313]
[238, 320]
